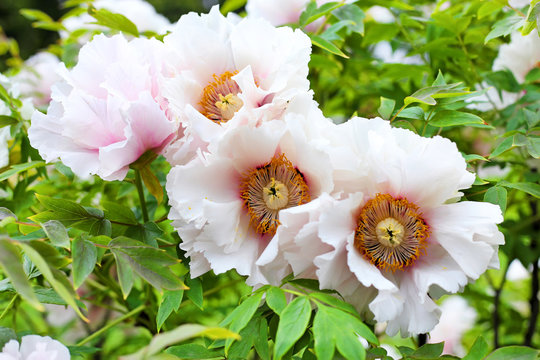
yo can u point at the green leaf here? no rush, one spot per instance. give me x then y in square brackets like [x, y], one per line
[354, 14]
[84, 254]
[18, 168]
[376, 32]
[6, 334]
[57, 233]
[293, 322]
[533, 146]
[429, 351]
[193, 351]
[125, 274]
[171, 302]
[446, 118]
[231, 5]
[505, 27]
[504, 146]
[386, 108]
[276, 300]
[241, 316]
[32, 14]
[64, 210]
[113, 21]
[261, 340]
[488, 8]
[58, 283]
[527, 187]
[414, 112]
[327, 45]
[479, 350]
[119, 213]
[195, 291]
[514, 353]
[313, 12]
[181, 333]
[11, 263]
[428, 94]
[152, 183]
[497, 195]
[473, 157]
[335, 302]
[6, 120]
[148, 262]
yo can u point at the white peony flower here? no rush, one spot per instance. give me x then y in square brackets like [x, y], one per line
[227, 206]
[37, 77]
[520, 56]
[456, 318]
[108, 111]
[221, 73]
[140, 12]
[35, 347]
[396, 227]
[519, 3]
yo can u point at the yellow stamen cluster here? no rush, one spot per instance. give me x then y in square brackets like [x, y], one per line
[220, 101]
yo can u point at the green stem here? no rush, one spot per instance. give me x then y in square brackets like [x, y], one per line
[140, 191]
[400, 110]
[112, 324]
[6, 310]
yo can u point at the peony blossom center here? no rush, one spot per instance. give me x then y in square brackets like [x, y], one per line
[220, 101]
[269, 188]
[391, 232]
[276, 195]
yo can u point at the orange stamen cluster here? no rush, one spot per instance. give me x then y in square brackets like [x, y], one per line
[391, 232]
[219, 100]
[273, 181]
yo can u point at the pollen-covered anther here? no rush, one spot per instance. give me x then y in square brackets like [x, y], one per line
[220, 100]
[269, 188]
[391, 232]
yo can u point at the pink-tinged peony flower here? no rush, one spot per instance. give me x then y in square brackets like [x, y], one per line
[519, 56]
[230, 73]
[140, 12]
[107, 111]
[35, 347]
[37, 77]
[281, 12]
[396, 233]
[227, 206]
[456, 318]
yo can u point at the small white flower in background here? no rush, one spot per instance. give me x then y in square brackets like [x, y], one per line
[222, 72]
[227, 207]
[36, 78]
[380, 14]
[520, 56]
[140, 12]
[456, 318]
[519, 3]
[107, 111]
[516, 271]
[35, 347]
[397, 235]
[281, 12]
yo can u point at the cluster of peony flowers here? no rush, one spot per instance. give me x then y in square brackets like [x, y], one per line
[34, 347]
[261, 181]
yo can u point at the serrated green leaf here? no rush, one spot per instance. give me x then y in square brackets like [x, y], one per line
[11, 263]
[293, 322]
[113, 21]
[57, 233]
[446, 118]
[84, 254]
